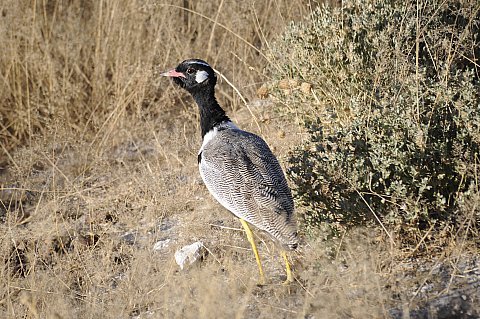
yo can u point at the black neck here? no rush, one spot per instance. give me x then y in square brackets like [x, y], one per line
[211, 113]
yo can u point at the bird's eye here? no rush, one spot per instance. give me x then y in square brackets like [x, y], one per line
[190, 70]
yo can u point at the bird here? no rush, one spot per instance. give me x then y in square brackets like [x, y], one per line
[237, 167]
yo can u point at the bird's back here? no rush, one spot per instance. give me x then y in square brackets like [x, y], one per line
[241, 172]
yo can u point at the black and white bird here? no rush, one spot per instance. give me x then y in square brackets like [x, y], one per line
[238, 167]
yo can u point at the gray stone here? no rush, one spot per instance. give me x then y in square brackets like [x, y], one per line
[161, 244]
[189, 254]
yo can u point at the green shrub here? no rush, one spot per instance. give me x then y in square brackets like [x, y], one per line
[394, 114]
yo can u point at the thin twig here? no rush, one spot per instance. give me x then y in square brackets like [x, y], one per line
[220, 25]
[209, 47]
[376, 217]
[236, 247]
[225, 227]
[241, 97]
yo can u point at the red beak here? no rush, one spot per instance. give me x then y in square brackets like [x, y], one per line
[173, 74]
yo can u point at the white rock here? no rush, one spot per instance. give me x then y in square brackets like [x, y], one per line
[161, 244]
[188, 255]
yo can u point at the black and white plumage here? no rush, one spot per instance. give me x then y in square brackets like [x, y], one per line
[238, 167]
[242, 174]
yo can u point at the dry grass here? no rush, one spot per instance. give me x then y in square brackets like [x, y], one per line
[92, 65]
[102, 165]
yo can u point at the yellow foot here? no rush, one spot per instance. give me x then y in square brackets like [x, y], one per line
[261, 282]
[287, 282]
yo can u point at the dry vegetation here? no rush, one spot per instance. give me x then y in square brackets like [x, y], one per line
[99, 164]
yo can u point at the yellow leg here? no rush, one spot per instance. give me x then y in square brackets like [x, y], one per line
[255, 251]
[289, 270]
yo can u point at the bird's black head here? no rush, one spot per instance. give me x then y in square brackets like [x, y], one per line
[193, 75]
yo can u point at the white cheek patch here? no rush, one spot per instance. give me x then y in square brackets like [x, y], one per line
[201, 76]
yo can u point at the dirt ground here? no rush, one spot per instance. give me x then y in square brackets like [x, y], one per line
[80, 225]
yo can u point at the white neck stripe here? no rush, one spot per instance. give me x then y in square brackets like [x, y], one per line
[211, 134]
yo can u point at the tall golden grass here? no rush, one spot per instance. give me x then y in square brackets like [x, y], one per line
[91, 65]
